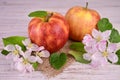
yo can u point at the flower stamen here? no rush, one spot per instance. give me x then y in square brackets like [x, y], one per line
[105, 54]
[15, 52]
[29, 45]
[98, 38]
[25, 61]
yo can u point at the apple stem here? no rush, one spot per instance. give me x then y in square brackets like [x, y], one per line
[86, 5]
[48, 17]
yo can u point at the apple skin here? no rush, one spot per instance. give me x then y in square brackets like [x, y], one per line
[52, 34]
[81, 22]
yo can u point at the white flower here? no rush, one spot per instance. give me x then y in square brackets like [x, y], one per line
[88, 40]
[23, 65]
[98, 50]
[90, 51]
[98, 36]
[103, 53]
[22, 61]
[15, 51]
[41, 53]
[108, 52]
[29, 45]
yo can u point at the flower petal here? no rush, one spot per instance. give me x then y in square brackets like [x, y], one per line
[29, 68]
[96, 56]
[95, 33]
[39, 60]
[87, 56]
[19, 66]
[26, 54]
[10, 48]
[41, 48]
[86, 39]
[103, 61]
[88, 49]
[91, 49]
[26, 42]
[32, 59]
[98, 60]
[34, 47]
[113, 57]
[45, 53]
[18, 47]
[111, 48]
[95, 63]
[16, 58]
[106, 34]
[102, 46]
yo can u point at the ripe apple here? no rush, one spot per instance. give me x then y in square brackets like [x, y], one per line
[81, 21]
[50, 31]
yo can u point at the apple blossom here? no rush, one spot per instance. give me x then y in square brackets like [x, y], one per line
[88, 40]
[23, 61]
[104, 52]
[14, 51]
[29, 45]
[41, 52]
[23, 65]
[98, 48]
[108, 50]
[98, 35]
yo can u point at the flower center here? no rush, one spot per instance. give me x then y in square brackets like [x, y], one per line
[39, 54]
[29, 45]
[98, 38]
[105, 54]
[16, 52]
[25, 61]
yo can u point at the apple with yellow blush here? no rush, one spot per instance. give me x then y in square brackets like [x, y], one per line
[81, 21]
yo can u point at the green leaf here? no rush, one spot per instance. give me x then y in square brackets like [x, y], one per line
[35, 65]
[114, 36]
[40, 14]
[14, 40]
[58, 60]
[104, 25]
[118, 54]
[78, 56]
[4, 52]
[77, 46]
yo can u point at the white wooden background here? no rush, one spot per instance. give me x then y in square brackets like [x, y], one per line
[14, 21]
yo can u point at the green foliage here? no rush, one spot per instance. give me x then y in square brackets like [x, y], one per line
[58, 60]
[77, 46]
[118, 54]
[104, 25]
[35, 65]
[78, 56]
[115, 36]
[78, 51]
[40, 14]
[4, 52]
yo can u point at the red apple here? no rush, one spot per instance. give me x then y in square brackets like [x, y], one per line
[81, 21]
[52, 31]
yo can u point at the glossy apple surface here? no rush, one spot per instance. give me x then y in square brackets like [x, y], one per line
[81, 21]
[52, 34]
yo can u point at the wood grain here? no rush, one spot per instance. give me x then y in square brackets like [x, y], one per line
[14, 21]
